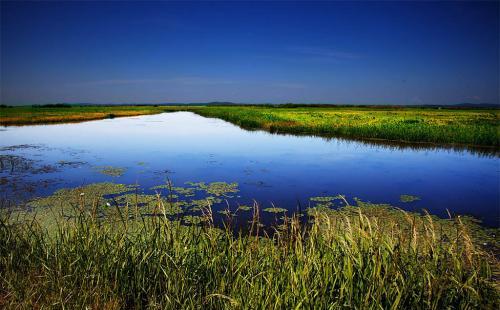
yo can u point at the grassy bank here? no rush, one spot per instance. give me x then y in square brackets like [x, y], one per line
[440, 126]
[28, 115]
[450, 126]
[89, 252]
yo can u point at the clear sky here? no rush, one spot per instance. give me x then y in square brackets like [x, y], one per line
[321, 52]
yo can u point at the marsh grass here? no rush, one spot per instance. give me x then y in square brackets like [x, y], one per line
[443, 126]
[27, 115]
[460, 127]
[365, 256]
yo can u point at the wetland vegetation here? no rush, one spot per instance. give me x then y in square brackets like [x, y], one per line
[112, 246]
[445, 126]
[474, 127]
[152, 155]
[28, 115]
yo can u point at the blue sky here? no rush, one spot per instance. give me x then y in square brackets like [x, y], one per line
[322, 52]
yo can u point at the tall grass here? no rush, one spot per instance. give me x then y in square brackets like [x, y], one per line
[467, 127]
[339, 260]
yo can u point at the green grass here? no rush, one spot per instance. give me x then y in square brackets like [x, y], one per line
[441, 126]
[82, 252]
[27, 115]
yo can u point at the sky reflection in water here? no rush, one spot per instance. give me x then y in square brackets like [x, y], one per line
[282, 169]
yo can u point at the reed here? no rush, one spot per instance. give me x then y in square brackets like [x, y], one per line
[441, 126]
[346, 258]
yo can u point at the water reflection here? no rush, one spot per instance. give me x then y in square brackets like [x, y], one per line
[401, 145]
[284, 170]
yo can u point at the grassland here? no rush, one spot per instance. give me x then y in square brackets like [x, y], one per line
[27, 115]
[439, 126]
[79, 249]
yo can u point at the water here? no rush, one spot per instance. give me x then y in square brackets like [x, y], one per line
[281, 169]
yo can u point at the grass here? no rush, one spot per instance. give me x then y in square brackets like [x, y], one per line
[440, 126]
[91, 253]
[27, 115]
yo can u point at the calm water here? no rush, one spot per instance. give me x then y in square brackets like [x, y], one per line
[282, 169]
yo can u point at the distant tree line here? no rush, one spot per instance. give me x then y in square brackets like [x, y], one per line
[52, 105]
[464, 106]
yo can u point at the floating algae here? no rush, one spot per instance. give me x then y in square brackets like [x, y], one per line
[199, 204]
[324, 201]
[104, 199]
[151, 203]
[216, 188]
[140, 200]
[408, 198]
[275, 210]
[110, 170]
[324, 198]
[69, 197]
[184, 191]
[192, 219]
[104, 195]
[225, 212]
[19, 147]
[72, 164]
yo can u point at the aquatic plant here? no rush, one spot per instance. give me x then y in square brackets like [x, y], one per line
[408, 198]
[184, 191]
[108, 245]
[19, 147]
[199, 204]
[192, 219]
[216, 188]
[225, 212]
[110, 170]
[72, 164]
[69, 197]
[368, 256]
[274, 210]
[323, 198]
[244, 208]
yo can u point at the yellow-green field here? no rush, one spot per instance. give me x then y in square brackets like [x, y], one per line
[441, 126]
[28, 115]
[449, 126]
